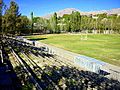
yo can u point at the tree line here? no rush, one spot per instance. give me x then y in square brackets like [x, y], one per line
[13, 22]
[100, 23]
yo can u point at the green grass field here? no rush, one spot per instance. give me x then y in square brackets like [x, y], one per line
[99, 46]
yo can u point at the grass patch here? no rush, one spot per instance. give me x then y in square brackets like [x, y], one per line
[99, 46]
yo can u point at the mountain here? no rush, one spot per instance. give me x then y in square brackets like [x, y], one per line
[62, 12]
[112, 11]
[69, 11]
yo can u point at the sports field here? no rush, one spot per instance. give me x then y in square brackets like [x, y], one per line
[99, 46]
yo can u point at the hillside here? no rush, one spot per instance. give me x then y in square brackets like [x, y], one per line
[69, 11]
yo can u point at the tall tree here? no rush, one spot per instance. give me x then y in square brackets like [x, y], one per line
[11, 17]
[32, 22]
[1, 10]
[53, 23]
[23, 25]
[75, 21]
[65, 23]
[1, 15]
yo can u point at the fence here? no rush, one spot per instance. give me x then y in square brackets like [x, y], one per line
[88, 63]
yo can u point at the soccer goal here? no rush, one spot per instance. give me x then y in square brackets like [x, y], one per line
[84, 35]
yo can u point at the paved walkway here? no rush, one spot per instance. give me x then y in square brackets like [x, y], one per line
[70, 56]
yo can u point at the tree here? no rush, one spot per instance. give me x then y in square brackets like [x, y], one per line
[11, 18]
[1, 5]
[78, 21]
[41, 24]
[65, 23]
[53, 23]
[12, 21]
[72, 21]
[23, 25]
[75, 21]
[118, 24]
[32, 22]
[101, 22]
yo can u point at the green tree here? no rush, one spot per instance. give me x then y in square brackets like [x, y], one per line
[41, 25]
[1, 6]
[23, 25]
[53, 23]
[75, 21]
[118, 24]
[32, 22]
[11, 18]
[66, 23]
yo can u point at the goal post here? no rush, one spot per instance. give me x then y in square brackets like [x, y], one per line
[84, 35]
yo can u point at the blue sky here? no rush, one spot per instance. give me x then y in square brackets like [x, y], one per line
[43, 7]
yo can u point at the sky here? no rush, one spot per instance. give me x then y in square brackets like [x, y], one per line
[44, 7]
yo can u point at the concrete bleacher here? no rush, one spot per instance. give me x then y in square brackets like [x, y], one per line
[85, 62]
[38, 60]
[89, 63]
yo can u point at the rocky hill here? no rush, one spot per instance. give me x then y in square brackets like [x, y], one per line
[69, 11]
